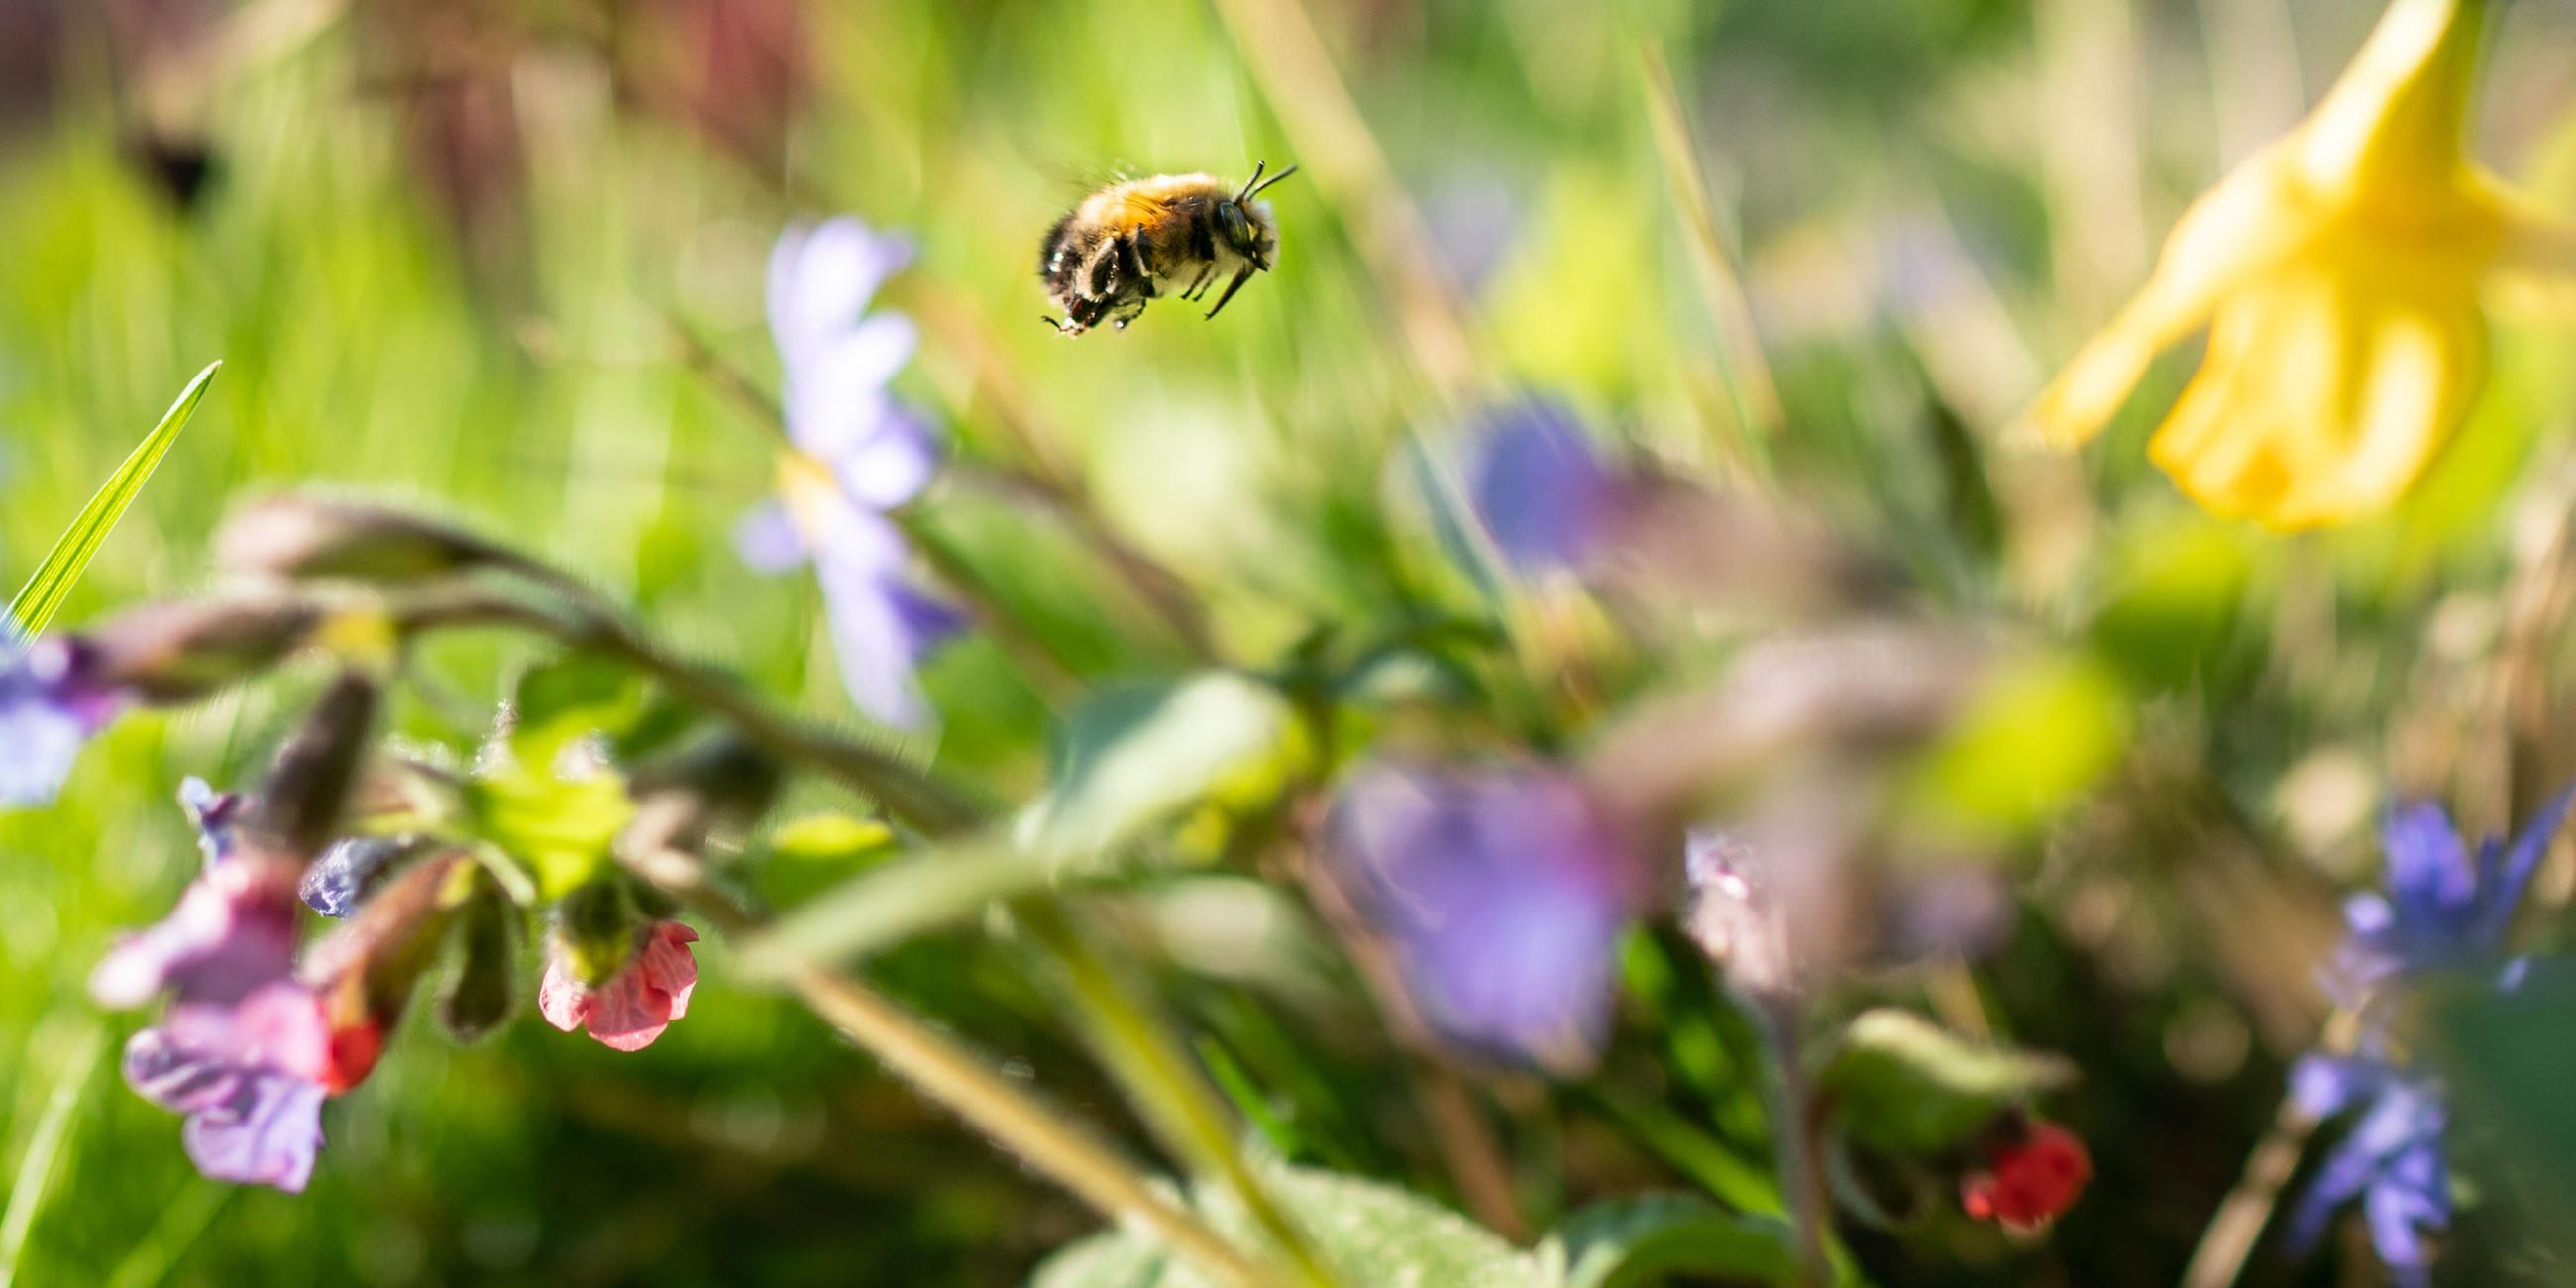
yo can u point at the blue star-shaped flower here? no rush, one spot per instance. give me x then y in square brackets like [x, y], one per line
[858, 453]
[2443, 910]
[2392, 1159]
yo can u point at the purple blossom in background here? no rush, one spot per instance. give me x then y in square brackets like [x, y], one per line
[247, 1076]
[2392, 1159]
[1502, 895]
[859, 453]
[233, 931]
[51, 703]
[2443, 910]
[1534, 481]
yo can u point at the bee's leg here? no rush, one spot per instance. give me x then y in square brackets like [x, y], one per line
[1131, 261]
[1082, 315]
[1198, 288]
[1241, 276]
[1100, 276]
[1127, 312]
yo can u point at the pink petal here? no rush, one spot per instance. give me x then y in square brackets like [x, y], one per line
[561, 998]
[651, 990]
[629, 1014]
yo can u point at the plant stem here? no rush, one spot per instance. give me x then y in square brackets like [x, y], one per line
[1042, 1135]
[2241, 1216]
[906, 792]
[1166, 1089]
[1802, 1175]
[1042, 482]
[1168, 1092]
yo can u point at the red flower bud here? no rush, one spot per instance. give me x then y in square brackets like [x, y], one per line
[2028, 1180]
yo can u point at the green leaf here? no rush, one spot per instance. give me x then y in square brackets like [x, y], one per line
[894, 901]
[561, 701]
[1901, 1083]
[52, 582]
[1633, 1242]
[1376, 1234]
[2038, 733]
[1131, 757]
[561, 828]
[44, 1156]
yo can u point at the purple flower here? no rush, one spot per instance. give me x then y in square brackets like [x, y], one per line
[2392, 1159]
[858, 454]
[2443, 911]
[247, 1075]
[1544, 496]
[1502, 895]
[51, 703]
[233, 931]
[339, 879]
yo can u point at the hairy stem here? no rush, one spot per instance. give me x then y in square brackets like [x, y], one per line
[906, 792]
[1167, 1090]
[1043, 1135]
[1159, 1078]
[1802, 1175]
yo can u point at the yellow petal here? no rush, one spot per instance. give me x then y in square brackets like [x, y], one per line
[2327, 390]
[2393, 119]
[2249, 221]
[2533, 272]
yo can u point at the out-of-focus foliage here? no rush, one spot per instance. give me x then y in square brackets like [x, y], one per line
[496, 259]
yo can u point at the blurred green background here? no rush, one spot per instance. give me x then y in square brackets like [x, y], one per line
[443, 249]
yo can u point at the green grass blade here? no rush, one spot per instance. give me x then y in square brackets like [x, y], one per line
[37, 1168]
[52, 583]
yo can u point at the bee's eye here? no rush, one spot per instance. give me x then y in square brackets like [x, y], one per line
[1238, 230]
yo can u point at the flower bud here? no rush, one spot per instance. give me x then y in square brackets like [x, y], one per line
[181, 651]
[477, 1001]
[367, 970]
[2032, 1172]
[338, 881]
[304, 537]
[594, 932]
[307, 791]
[722, 783]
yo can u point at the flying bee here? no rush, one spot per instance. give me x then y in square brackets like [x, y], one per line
[1129, 242]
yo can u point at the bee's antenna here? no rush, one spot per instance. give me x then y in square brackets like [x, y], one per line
[1053, 324]
[1251, 191]
[1248, 184]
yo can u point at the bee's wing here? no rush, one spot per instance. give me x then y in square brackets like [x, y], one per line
[1079, 181]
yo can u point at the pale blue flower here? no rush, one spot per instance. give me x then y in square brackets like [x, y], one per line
[859, 453]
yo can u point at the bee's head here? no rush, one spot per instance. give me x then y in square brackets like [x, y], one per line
[1247, 231]
[1245, 223]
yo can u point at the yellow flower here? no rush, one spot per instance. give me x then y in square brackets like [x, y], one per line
[2342, 272]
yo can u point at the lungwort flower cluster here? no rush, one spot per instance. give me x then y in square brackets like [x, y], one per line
[857, 453]
[2342, 272]
[245, 1052]
[51, 703]
[2445, 912]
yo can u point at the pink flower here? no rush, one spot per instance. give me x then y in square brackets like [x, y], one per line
[232, 933]
[638, 1002]
[250, 1076]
